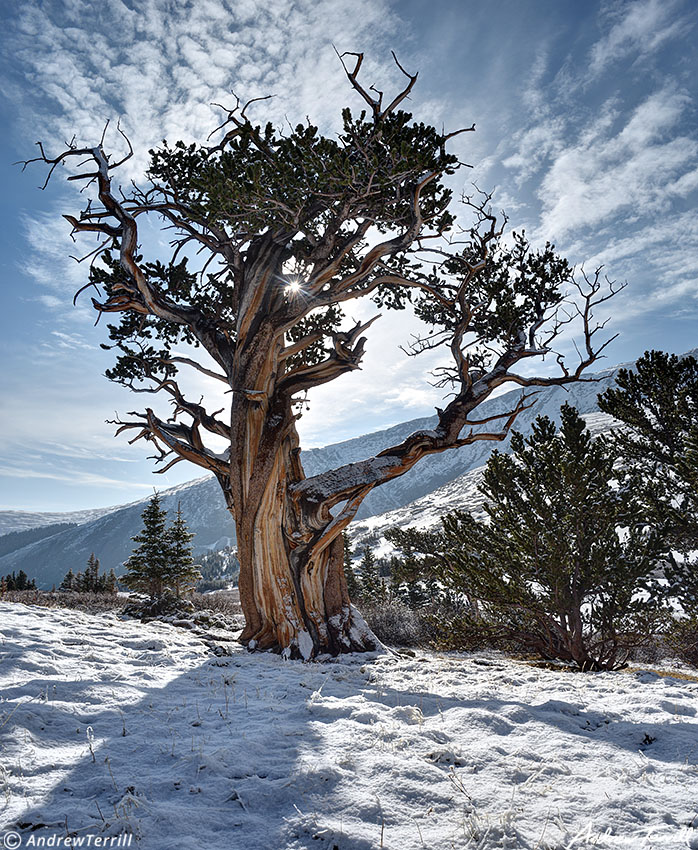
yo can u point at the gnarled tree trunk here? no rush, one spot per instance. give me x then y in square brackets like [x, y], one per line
[292, 586]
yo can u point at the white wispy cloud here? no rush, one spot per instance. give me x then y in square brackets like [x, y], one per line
[159, 67]
[636, 169]
[665, 252]
[605, 175]
[609, 163]
[70, 341]
[636, 29]
[74, 476]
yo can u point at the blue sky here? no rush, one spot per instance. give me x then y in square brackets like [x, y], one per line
[586, 126]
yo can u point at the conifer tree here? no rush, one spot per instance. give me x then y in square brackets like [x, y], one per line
[182, 573]
[353, 587]
[68, 582]
[290, 226]
[658, 401]
[565, 563]
[21, 581]
[111, 584]
[372, 586]
[421, 575]
[92, 577]
[147, 568]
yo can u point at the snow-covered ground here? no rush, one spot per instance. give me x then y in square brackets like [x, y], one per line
[110, 727]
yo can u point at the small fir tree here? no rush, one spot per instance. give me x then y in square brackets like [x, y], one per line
[92, 574]
[372, 586]
[19, 581]
[147, 568]
[68, 582]
[182, 573]
[353, 587]
[565, 563]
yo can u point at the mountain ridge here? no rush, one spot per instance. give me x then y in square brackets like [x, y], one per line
[109, 535]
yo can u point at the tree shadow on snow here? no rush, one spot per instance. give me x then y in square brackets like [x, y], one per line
[218, 757]
[233, 751]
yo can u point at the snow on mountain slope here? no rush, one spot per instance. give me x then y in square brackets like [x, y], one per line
[425, 514]
[24, 520]
[460, 494]
[436, 470]
[109, 536]
[115, 728]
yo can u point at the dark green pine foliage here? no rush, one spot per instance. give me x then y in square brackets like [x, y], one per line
[420, 576]
[19, 581]
[68, 582]
[373, 589]
[262, 180]
[182, 573]
[147, 568]
[659, 402]
[89, 581]
[352, 582]
[565, 564]
[92, 577]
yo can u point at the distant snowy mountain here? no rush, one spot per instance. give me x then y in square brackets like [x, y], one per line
[437, 470]
[460, 494]
[444, 477]
[24, 520]
[109, 536]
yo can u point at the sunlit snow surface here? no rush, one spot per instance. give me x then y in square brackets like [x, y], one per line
[251, 751]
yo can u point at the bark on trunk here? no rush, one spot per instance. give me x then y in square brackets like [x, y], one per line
[292, 586]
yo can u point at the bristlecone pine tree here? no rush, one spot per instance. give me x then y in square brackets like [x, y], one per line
[291, 225]
[566, 562]
[658, 401]
[147, 568]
